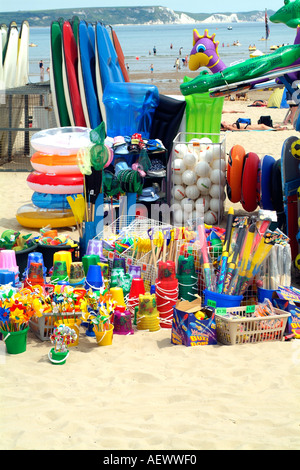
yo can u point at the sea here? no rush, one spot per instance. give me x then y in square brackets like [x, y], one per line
[138, 42]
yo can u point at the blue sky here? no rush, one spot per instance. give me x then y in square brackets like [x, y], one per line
[187, 5]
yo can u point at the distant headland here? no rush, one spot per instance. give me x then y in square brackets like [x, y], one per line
[151, 15]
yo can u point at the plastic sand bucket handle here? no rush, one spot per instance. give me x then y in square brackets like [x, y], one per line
[5, 337]
[55, 361]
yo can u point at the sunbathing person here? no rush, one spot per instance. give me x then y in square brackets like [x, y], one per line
[241, 126]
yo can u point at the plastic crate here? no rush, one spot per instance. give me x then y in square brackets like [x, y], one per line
[238, 325]
[43, 326]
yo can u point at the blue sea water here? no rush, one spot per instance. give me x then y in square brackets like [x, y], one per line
[138, 42]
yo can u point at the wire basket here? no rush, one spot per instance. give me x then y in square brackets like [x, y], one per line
[238, 325]
[43, 326]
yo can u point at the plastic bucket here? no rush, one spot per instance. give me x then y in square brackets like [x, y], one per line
[57, 357]
[16, 341]
[104, 338]
[264, 294]
[93, 278]
[221, 300]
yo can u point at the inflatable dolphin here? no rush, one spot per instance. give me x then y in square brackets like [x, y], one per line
[253, 68]
[289, 14]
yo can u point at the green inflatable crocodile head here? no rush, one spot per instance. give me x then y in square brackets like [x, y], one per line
[289, 14]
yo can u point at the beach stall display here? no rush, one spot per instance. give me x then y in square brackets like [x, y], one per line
[197, 170]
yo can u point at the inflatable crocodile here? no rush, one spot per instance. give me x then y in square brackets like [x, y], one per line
[253, 68]
[289, 14]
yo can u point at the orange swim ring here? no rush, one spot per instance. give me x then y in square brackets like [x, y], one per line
[234, 173]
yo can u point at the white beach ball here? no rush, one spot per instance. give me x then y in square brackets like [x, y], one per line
[180, 150]
[215, 191]
[177, 179]
[217, 177]
[192, 192]
[218, 165]
[215, 205]
[178, 216]
[179, 192]
[189, 177]
[187, 204]
[190, 159]
[205, 140]
[203, 202]
[178, 166]
[194, 145]
[208, 155]
[210, 217]
[202, 169]
[204, 185]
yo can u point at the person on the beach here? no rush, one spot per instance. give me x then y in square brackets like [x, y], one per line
[41, 65]
[241, 126]
[154, 50]
[151, 68]
[177, 63]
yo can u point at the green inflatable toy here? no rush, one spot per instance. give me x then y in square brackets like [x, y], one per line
[289, 14]
[203, 115]
[253, 68]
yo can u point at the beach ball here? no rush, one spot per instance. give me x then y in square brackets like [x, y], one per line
[204, 185]
[179, 192]
[190, 159]
[194, 145]
[192, 191]
[215, 205]
[216, 191]
[203, 202]
[217, 152]
[189, 177]
[202, 169]
[187, 204]
[208, 154]
[177, 179]
[218, 165]
[205, 140]
[178, 216]
[210, 217]
[180, 150]
[178, 166]
[217, 177]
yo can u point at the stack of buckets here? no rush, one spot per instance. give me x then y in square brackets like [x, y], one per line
[8, 267]
[166, 291]
[147, 317]
[187, 279]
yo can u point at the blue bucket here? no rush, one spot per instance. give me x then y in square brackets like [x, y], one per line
[221, 300]
[93, 278]
[263, 294]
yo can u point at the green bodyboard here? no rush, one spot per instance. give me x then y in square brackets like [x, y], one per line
[56, 48]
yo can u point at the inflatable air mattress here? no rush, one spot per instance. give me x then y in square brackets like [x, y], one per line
[120, 54]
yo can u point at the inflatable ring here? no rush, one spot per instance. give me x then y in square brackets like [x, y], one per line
[55, 184]
[234, 173]
[61, 140]
[276, 187]
[249, 197]
[266, 182]
[51, 201]
[31, 216]
[58, 164]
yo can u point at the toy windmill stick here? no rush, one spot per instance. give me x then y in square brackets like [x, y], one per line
[166, 233]
[150, 234]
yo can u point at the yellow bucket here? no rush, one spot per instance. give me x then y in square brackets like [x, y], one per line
[104, 338]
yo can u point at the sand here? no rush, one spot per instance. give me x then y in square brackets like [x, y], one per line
[142, 392]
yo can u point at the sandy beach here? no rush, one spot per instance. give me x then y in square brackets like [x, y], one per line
[142, 392]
